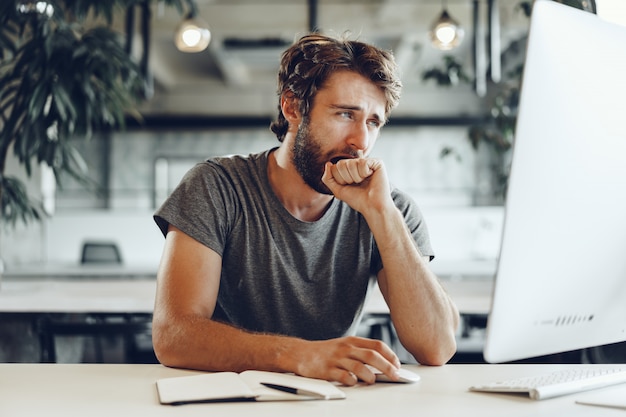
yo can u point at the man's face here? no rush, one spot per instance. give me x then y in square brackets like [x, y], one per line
[309, 158]
[344, 122]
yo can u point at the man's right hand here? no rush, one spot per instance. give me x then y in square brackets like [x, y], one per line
[344, 360]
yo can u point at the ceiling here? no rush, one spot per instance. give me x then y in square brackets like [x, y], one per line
[236, 75]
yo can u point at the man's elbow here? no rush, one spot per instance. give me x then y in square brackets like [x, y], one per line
[434, 354]
[437, 357]
[166, 349]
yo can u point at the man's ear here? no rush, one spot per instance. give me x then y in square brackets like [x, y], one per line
[290, 106]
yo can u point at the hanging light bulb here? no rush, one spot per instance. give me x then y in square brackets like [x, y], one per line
[445, 32]
[192, 34]
[42, 8]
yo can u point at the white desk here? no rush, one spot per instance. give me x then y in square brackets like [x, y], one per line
[75, 270]
[123, 295]
[38, 298]
[77, 295]
[75, 288]
[129, 390]
[43, 305]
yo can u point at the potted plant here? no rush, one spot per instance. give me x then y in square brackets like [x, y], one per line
[65, 73]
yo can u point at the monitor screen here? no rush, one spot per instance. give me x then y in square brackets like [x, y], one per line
[561, 277]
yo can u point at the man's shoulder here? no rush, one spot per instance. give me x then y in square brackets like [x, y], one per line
[236, 161]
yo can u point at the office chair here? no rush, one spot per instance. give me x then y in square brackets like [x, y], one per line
[101, 253]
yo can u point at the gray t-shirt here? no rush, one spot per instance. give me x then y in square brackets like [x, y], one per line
[279, 274]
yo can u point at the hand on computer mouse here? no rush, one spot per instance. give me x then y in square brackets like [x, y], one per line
[405, 375]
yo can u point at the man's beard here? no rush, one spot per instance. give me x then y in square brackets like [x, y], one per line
[309, 159]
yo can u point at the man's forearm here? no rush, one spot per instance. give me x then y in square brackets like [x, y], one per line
[200, 343]
[423, 314]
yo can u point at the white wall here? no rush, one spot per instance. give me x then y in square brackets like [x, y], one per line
[134, 232]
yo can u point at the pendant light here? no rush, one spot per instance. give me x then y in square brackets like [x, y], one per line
[192, 34]
[445, 32]
[43, 8]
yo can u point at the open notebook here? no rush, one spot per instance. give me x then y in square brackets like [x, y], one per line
[245, 386]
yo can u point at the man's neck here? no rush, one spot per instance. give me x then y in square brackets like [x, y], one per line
[303, 202]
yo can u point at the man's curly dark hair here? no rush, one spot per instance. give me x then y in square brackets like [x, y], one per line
[307, 64]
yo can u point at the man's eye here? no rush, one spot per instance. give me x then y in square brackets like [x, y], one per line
[374, 123]
[346, 114]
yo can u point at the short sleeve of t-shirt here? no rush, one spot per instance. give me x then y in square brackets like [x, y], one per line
[203, 205]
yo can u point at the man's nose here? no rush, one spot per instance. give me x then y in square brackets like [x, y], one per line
[359, 137]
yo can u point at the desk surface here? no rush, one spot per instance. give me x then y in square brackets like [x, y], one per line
[106, 295]
[77, 296]
[129, 390]
[76, 270]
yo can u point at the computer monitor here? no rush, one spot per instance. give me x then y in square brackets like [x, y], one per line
[561, 277]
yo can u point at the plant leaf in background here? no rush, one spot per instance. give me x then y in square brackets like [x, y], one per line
[496, 131]
[63, 75]
[449, 74]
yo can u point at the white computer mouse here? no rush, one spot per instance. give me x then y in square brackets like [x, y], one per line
[406, 376]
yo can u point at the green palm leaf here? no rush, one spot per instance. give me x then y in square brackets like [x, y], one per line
[60, 80]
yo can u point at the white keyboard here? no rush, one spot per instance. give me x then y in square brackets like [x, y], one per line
[554, 384]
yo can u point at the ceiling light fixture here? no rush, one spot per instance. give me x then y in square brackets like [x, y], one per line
[192, 34]
[43, 8]
[445, 32]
